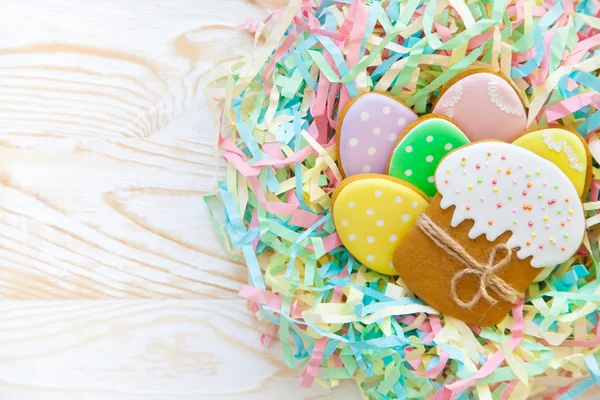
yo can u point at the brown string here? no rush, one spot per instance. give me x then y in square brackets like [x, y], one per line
[485, 272]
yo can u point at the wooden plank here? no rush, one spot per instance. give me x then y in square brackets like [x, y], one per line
[145, 349]
[122, 218]
[129, 350]
[105, 215]
[117, 68]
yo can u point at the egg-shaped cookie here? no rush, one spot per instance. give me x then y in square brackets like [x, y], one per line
[421, 148]
[372, 214]
[566, 149]
[484, 105]
[368, 129]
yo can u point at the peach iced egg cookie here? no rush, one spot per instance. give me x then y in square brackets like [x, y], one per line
[368, 130]
[484, 105]
[372, 214]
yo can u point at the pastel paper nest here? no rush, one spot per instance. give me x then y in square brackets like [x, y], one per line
[276, 114]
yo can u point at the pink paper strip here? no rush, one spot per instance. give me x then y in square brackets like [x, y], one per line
[295, 158]
[290, 195]
[479, 40]
[508, 389]
[304, 218]
[580, 49]
[240, 164]
[279, 53]
[414, 362]
[273, 149]
[436, 327]
[542, 75]
[273, 208]
[227, 144]
[443, 394]
[572, 104]
[269, 299]
[516, 10]
[519, 58]
[358, 15]
[498, 358]
[337, 295]
[595, 190]
[571, 84]
[337, 361]
[435, 371]
[318, 106]
[247, 25]
[253, 224]
[331, 242]
[267, 338]
[334, 89]
[561, 391]
[444, 32]
[310, 373]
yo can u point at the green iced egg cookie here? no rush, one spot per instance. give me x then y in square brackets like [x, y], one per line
[420, 150]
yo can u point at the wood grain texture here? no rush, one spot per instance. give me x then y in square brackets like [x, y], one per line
[106, 149]
[118, 218]
[112, 68]
[130, 350]
[92, 208]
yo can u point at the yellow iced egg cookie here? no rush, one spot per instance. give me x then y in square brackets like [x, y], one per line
[564, 148]
[372, 214]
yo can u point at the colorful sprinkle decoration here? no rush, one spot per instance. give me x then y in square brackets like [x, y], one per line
[276, 113]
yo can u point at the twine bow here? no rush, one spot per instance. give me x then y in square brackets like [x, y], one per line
[485, 272]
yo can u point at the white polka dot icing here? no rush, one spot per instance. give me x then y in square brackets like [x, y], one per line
[424, 145]
[508, 188]
[372, 215]
[368, 132]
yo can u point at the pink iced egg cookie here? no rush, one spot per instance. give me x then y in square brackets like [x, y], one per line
[484, 106]
[369, 129]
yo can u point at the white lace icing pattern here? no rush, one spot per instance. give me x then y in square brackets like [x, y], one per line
[497, 99]
[561, 145]
[451, 99]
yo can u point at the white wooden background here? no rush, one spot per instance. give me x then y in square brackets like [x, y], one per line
[112, 282]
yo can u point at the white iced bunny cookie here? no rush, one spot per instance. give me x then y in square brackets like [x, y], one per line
[503, 187]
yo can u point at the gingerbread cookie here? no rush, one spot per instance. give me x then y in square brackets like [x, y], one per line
[368, 129]
[484, 105]
[372, 214]
[422, 146]
[567, 149]
[502, 212]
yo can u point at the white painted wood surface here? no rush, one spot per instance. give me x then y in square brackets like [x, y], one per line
[140, 349]
[106, 149]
